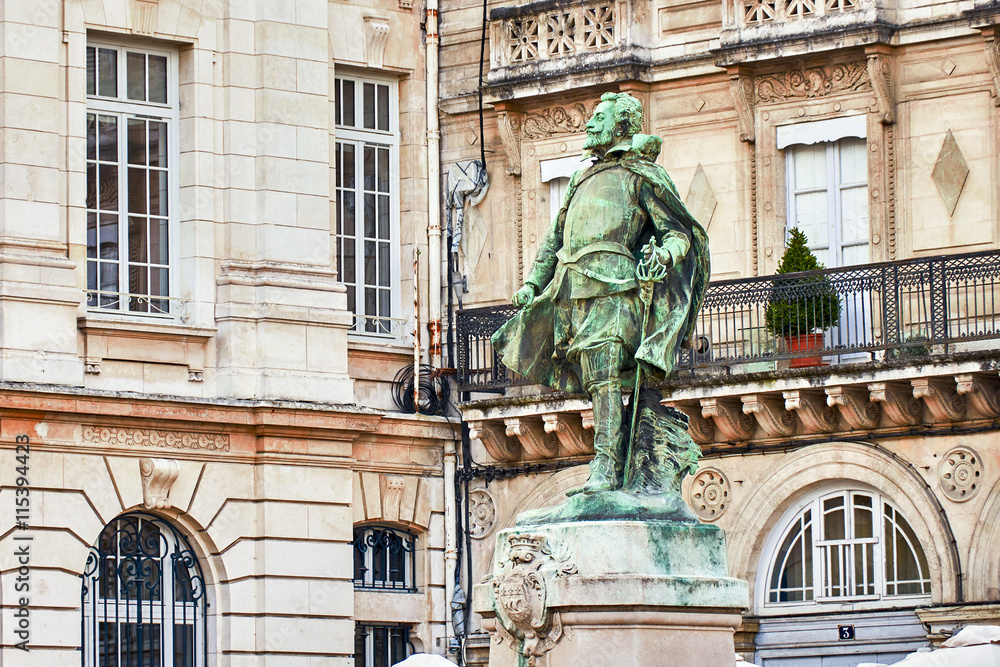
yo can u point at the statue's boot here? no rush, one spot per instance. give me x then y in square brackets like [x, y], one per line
[608, 464]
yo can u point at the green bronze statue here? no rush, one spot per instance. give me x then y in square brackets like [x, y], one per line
[612, 296]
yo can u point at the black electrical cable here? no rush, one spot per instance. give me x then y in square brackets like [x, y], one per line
[482, 60]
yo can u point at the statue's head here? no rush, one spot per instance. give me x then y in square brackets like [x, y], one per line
[616, 118]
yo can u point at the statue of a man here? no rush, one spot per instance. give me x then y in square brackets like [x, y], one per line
[583, 325]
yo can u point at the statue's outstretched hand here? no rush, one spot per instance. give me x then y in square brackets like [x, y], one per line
[654, 263]
[523, 296]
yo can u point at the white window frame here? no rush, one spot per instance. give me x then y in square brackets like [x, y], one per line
[169, 113]
[833, 243]
[557, 173]
[792, 518]
[358, 136]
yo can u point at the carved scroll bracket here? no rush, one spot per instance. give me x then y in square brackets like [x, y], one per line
[702, 429]
[770, 413]
[494, 438]
[729, 418]
[982, 391]
[158, 475]
[993, 60]
[531, 434]
[509, 126]
[741, 90]
[880, 75]
[811, 406]
[568, 430]
[855, 406]
[941, 397]
[897, 401]
[376, 38]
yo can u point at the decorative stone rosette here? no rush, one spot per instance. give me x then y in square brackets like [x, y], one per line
[710, 494]
[960, 473]
[482, 513]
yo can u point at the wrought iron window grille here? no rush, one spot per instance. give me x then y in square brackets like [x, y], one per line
[143, 598]
[384, 559]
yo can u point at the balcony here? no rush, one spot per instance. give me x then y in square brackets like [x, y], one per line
[906, 342]
[555, 37]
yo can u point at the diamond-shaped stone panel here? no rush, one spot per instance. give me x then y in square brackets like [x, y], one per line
[950, 173]
[700, 198]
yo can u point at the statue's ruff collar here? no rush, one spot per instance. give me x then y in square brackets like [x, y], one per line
[640, 145]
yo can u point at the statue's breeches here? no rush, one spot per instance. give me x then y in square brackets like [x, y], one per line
[580, 324]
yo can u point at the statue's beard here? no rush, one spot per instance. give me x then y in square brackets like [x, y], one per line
[601, 141]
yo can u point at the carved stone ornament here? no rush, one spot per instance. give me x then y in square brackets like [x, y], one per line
[496, 441]
[879, 74]
[376, 37]
[141, 437]
[897, 401]
[710, 494]
[741, 90]
[558, 120]
[813, 82]
[941, 397]
[530, 432]
[569, 430]
[993, 61]
[158, 475]
[855, 405]
[482, 513]
[730, 420]
[771, 414]
[811, 406]
[520, 591]
[509, 126]
[982, 391]
[960, 473]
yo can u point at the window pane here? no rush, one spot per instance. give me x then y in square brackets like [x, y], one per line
[370, 271]
[863, 525]
[136, 190]
[337, 83]
[398, 647]
[107, 72]
[381, 646]
[91, 136]
[92, 235]
[383, 108]
[159, 285]
[108, 133]
[157, 144]
[349, 213]
[812, 218]
[369, 168]
[107, 187]
[108, 282]
[135, 76]
[158, 242]
[383, 217]
[137, 240]
[157, 192]
[158, 79]
[383, 265]
[833, 519]
[91, 70]
[348, 106]
[138, 283]
[136, 141]
[369, 104]
[854, 215]
[853, 160]
[91, 186]
[109, 236]
[809, 166]
[371, 301]
[350, 262]
[383, 170]
[350, 178]
[369, 216]
[360, 635]
[184, 648]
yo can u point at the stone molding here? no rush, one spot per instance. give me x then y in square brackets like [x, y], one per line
[376, 38]
[879, 74]
[158, 475]
[544, 435]
[141, 437]
[400, 499]
[145, 342]
[509, 127]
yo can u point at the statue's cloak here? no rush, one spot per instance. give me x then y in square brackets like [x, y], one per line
[526, 342]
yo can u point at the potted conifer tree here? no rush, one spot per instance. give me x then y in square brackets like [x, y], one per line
[801, 307]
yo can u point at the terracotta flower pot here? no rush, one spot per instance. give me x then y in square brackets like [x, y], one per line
[804, 343]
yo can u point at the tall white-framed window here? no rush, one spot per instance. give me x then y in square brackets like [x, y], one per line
[828, 198]
[380, 645]
[132, 119]
[367, 189]
[844, 546]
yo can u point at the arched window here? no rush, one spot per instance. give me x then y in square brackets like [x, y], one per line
[384, 558]
[846, 546]
[143, 598]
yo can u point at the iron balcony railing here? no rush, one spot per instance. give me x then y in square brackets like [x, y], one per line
[873, 312]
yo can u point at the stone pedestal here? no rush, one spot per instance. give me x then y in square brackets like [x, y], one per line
[612, 593]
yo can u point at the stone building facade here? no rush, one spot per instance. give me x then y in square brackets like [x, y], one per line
[209, 219]
[858, 490]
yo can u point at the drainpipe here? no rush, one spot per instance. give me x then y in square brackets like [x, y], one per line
[433, 189]
[450, 536]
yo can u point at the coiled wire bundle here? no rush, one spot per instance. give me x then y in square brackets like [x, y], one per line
[433, 390]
